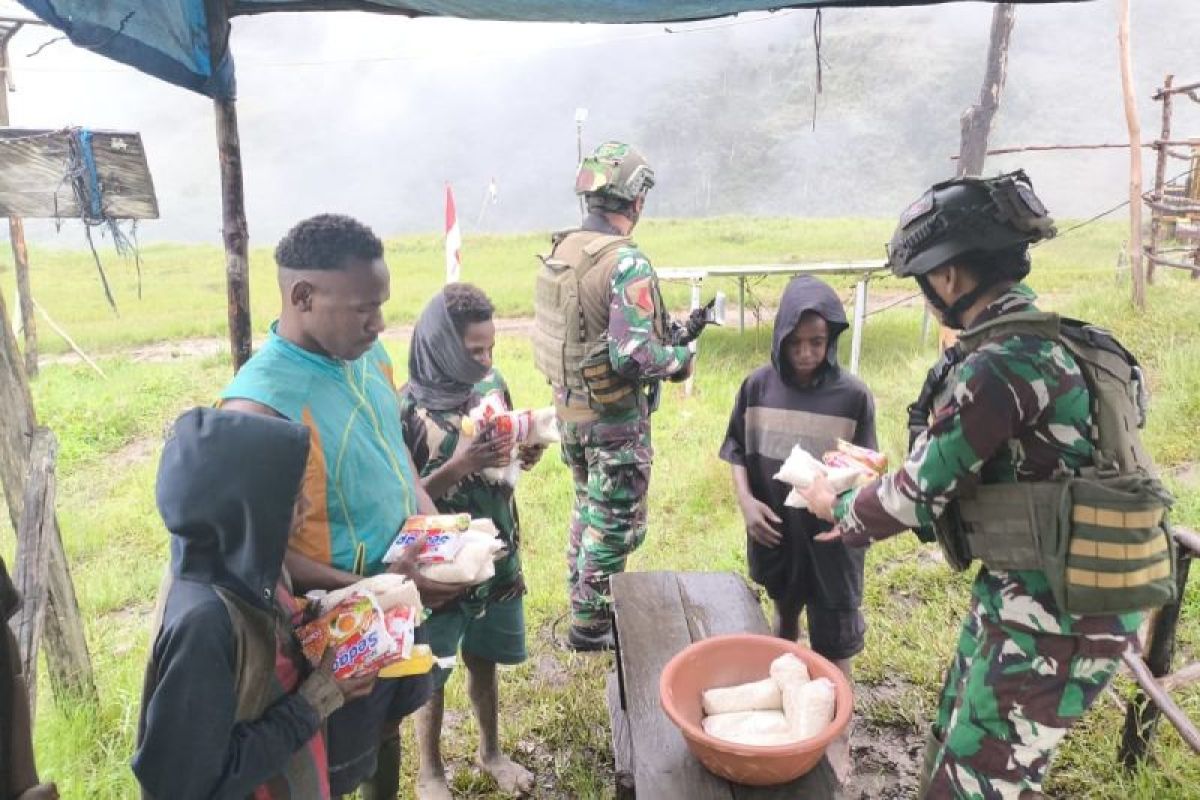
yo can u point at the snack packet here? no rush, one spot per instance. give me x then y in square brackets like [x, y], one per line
[357, 631]
[442, 532]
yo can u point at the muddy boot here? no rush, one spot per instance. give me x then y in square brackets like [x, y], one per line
[385, 783]
[590, 639]
[932, 746]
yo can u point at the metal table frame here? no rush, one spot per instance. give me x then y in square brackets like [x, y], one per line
[864, 269]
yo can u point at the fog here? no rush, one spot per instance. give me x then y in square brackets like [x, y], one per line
[371, 114]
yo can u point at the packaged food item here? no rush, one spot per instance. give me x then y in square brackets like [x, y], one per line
[443, 537]
[526, 426]
[736, 726]
[785, 708]
[420, 662]
[356, 629]
[787, 669]
[474, 551]
[809, 707]
[388, 589]
[757, 696]
[846, 468]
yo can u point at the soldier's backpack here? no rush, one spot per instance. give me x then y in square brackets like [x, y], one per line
[1102, 535]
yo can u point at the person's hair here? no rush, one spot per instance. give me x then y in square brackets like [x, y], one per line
[1008, 265]
[327, 242]
[466, 304]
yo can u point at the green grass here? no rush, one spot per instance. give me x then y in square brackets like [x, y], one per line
[553, 715]
[183, 287]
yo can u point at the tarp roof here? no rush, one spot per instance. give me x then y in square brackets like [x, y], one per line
[169, 39]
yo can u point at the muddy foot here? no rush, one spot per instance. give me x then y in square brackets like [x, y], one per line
[512, 777]
[433, 787]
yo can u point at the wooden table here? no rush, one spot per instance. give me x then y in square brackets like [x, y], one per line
[657, 614]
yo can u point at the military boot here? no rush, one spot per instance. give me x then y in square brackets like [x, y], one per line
[591, 638]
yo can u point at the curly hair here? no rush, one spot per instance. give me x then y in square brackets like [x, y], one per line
[327, 242]
[467, 304]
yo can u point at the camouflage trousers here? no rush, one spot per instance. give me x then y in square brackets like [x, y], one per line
[1012, 692]
[610, 467]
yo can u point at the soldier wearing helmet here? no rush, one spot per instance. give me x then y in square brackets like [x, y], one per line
[1006, 406]
[604, 341]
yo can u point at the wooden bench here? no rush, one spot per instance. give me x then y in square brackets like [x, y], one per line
[657, 614]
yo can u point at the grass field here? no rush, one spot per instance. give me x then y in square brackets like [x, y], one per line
[553, 714]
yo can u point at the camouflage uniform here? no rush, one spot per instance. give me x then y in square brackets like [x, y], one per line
[1024, 671]
[610, 454]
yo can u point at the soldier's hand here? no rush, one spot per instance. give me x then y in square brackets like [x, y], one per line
[760, 522]
[696, 322]
[820, 497]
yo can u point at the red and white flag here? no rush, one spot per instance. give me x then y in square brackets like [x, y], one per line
[453, 239]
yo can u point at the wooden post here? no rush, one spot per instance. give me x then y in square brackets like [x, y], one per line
[33, 540]
[16, 231]
[1160, 174]
[66, 645]
[1141, 716]
[1136, 251]
[233, 202]
[977, 120]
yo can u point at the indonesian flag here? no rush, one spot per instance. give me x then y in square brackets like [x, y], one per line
[453, 239]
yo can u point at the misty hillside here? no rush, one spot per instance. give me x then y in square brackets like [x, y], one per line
[371, 114]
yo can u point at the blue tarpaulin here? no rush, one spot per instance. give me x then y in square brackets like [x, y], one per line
[169, 39]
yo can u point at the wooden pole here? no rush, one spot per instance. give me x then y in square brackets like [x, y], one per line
[1136, 251]
[1160, 173]
[977, 120]
[16, 232]
[233, 203]
[66, 645]
[33, 549]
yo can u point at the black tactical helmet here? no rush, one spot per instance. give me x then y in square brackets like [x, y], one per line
[967, 215]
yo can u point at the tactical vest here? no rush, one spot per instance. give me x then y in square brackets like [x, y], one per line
[571, 308]
[1101, 536]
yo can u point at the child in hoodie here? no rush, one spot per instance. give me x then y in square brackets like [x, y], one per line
[802, 397]
[230, 706]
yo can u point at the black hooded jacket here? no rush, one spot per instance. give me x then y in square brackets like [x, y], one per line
[772, 413]
[214, 719]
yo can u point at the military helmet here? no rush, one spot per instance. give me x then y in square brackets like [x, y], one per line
[967, 215]
[615, 170]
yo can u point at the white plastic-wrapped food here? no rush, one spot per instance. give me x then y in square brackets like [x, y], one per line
[799, 468]
[757, 696]
[809, 707]
[787, 669]
[473, 563]
[388, 589]
[736, 724]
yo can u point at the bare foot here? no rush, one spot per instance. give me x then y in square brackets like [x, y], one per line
[512, 777]
[43, 791]
[433, 787]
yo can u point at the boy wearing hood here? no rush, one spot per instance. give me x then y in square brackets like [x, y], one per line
[450, 371]
[230, 706]
[801, 398]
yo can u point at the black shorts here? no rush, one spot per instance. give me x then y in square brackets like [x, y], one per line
[354, 731]
[826, 578]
